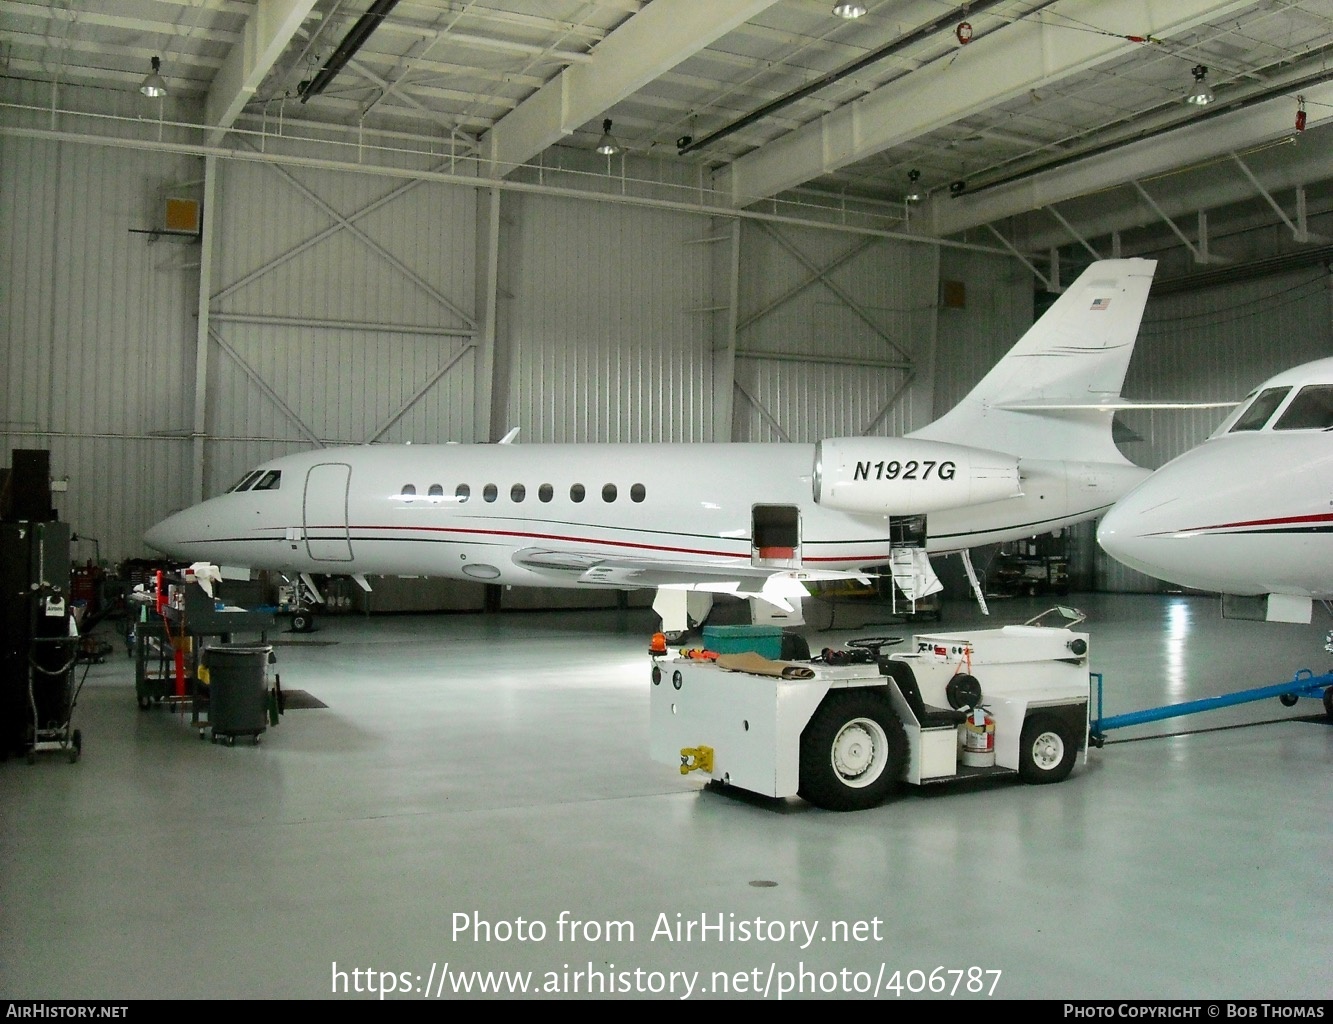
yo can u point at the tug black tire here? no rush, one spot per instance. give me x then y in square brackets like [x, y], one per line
[1047, 749]
[853, 751]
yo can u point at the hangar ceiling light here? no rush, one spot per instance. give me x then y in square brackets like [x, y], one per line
[1200, 95]
[153, 83]
[914, 194]
[607, 144]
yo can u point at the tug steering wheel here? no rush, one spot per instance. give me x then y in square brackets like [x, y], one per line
[874, 643]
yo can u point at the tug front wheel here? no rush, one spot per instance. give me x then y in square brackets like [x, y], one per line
[853, 751]
[1046, 750]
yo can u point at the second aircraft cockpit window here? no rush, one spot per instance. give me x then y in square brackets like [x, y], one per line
[1311, 409]
[1259, 411]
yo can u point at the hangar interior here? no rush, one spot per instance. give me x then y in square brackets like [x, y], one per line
[346, 222]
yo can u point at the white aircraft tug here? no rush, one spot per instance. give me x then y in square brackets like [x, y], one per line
[963, 705]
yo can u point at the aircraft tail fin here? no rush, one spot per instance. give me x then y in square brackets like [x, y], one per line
[1052, 395]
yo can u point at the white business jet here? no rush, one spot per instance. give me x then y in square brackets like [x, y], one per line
[1248, 512]
[1029, 450]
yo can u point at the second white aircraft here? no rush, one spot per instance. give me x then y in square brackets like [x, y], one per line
[1249, 511]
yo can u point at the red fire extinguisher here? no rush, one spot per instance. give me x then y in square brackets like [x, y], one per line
[979, 739]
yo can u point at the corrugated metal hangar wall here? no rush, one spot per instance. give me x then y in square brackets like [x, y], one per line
[353, 307]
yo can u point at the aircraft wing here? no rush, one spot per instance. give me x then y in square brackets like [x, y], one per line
[622, 571]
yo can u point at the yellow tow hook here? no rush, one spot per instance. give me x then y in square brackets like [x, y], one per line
[696, 759]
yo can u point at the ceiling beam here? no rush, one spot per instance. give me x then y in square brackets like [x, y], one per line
[1028, 54]
[644, 47]
[267, 33]
[92, 18]
[1195, 143]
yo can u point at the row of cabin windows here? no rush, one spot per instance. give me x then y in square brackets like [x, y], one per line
[518, 493]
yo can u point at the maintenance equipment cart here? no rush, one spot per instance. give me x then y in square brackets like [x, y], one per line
[991, 702]
[173, 643]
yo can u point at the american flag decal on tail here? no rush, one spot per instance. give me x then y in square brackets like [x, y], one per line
[1100, 304]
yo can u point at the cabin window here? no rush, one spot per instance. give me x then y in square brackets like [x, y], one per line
[545, 492]
[462, 492]
[436, 493]
[244, 482]
[489, 492]
[637, 493]
[409, 492]
[517, 493]
[1311, 409]
[1260, 409]
[577, 493]
[609, 492]
[270, 481]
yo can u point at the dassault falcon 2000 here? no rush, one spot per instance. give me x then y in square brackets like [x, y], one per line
[1248, 512]
[1028, 450]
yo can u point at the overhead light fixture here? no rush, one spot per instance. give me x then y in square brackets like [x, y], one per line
[607, 145]
[913, 192]
[849, 11]
[1200, 95]
[153, 84]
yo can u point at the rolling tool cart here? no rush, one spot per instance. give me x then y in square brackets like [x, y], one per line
[223, 685]
[154, 663]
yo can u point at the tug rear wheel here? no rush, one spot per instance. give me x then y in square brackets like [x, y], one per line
[853, 751]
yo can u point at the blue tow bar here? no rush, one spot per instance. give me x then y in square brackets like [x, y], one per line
[1304, 684]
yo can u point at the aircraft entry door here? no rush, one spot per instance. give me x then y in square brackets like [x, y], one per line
[327, 537]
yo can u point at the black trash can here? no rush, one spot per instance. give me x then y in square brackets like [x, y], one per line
[238, 689]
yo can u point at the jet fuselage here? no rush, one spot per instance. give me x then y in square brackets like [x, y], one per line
[464, 511]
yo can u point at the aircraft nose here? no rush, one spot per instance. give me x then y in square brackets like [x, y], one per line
[1138, 531]
[1119, 534]
[167, 535]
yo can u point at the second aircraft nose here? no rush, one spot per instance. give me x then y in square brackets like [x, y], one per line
[1121, 535]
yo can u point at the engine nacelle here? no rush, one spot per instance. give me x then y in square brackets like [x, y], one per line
[909, 476]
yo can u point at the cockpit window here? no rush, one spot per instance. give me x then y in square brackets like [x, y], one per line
[244, 482]
[270, 481]
[1260, 409]
[1311, 409]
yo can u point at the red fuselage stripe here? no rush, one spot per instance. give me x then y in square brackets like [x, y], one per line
[856, 559]
[1322, 517]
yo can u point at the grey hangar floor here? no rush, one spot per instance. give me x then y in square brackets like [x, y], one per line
[474, 777]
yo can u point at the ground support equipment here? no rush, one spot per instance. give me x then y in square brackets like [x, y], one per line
[52, 696]
[1303, 684]
[847, 735]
